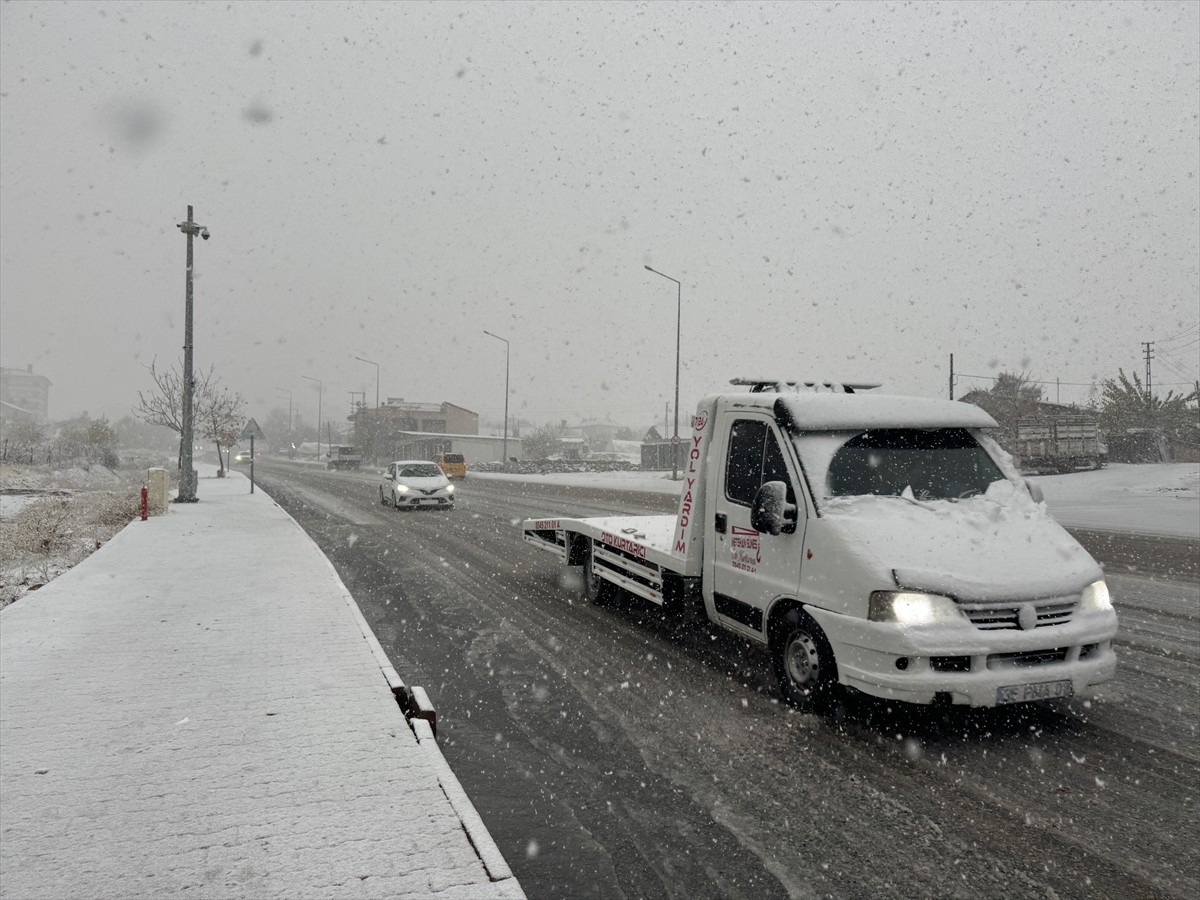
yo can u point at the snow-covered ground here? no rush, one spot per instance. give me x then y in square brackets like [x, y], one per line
[51, 520]
[1150, 499]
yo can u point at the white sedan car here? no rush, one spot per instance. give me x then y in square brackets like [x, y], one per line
[415, 482]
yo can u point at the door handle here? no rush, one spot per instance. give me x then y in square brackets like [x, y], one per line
[721, 521]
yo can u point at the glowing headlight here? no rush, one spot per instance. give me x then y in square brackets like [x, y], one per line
[911, 608]
[402, 489]
[1095, 596]
[449, 489]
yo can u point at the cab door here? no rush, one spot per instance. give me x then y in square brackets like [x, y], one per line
[746, 569]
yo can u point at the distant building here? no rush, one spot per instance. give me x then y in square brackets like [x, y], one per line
[436, 418]
[383, 431]
[476, 448]
[24, 395]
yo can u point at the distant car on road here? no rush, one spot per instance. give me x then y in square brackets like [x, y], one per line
[241, 456]
[453, 464]
[415, 482]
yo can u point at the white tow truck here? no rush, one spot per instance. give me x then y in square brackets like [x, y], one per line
[878, 542]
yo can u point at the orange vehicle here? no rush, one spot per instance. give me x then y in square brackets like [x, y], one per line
[454, 465]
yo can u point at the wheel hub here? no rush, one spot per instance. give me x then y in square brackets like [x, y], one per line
[803, 663]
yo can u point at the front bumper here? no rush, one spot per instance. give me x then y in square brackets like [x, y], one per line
[970, 666]
[411, 499]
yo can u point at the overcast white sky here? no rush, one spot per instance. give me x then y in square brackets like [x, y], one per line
[843, 190]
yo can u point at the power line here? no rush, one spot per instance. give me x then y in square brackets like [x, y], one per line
[1185, 331]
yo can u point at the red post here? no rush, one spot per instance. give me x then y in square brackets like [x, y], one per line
[145, 503]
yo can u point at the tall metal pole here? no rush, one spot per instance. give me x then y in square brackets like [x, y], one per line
[506, 348]
[678, 332]
[1149, 380]
[289, 393]
[376, 365]
[187, 474]
[320, 391]
[951, 376]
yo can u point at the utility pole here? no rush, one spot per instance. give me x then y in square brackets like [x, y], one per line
[951, 376]
[506, 348]
[187, 474]
[1149, 382]
[289, 393]
[320, 391]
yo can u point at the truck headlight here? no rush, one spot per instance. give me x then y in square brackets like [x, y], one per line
[912, 608]
[1095, 597]
[449, 489]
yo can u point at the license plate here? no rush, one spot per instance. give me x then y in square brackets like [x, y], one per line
[1042, 690]
[426, 501]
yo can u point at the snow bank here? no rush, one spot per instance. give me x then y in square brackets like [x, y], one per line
[1162, 498]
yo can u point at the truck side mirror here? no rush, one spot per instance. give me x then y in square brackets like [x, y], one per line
[1035, 491]
[771, 513]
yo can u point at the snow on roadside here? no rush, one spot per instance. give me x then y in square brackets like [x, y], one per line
[51, 520]
[1159, 498]
[1162, 498]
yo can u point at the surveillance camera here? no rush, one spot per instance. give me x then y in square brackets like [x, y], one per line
[204, 233]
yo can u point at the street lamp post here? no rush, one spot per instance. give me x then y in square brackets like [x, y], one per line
[289, 393]
[678, 316]
[187, 474]
[320, 390]
[358, 408]
[375, 415]
[376, 365]
[506, 348]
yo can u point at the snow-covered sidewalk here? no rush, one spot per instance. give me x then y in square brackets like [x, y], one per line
[199, 709]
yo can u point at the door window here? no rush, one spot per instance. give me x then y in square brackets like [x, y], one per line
[754, 457]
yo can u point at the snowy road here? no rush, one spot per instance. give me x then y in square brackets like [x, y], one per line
[611, 756]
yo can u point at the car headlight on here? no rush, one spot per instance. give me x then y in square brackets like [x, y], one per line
[912, 608]
[402, 489]
[449, 489]
[1095, 597]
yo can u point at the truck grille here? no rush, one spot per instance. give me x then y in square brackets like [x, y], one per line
[1027, 658]
[996, 617]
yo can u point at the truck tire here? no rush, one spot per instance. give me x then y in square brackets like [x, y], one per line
[595, 588]
[803, 662]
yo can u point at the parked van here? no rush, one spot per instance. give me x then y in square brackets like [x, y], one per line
[453, 464]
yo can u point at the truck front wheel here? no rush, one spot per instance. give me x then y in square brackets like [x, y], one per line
[803, 662]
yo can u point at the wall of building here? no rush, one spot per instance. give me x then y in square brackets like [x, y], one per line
[27, 391]
[476, 448]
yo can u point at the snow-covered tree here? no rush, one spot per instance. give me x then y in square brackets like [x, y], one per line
[1125, 403]
[214, 410]
[1014, 396]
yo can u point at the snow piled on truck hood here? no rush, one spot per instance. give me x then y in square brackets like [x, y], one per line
[998, 546]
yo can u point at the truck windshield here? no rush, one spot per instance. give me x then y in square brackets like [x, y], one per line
[924, 464]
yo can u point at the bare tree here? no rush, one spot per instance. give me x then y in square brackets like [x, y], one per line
[221, 420]
[215, 410]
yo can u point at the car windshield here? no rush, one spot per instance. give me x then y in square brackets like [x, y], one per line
[420, 470]
[922, 464]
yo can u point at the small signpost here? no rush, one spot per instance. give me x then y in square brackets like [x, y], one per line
[252, 431]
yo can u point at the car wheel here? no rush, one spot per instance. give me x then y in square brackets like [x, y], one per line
[803, 662]
[382, 499]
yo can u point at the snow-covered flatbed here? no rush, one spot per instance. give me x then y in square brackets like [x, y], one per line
[636, 550]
